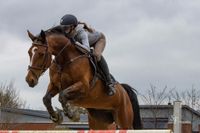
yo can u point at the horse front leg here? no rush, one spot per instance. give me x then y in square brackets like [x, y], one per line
[66, 107]
[72, 92]
[51, 92]
[69, 110]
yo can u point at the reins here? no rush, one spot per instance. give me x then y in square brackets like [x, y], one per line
[61, 66]
[69, 62]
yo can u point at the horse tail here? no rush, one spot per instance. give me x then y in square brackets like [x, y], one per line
[137, 123]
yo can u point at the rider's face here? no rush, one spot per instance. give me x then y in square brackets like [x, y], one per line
[71, 31]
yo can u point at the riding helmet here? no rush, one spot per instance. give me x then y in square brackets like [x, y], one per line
[69, 19]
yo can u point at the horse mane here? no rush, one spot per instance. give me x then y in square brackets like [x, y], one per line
[60, 29]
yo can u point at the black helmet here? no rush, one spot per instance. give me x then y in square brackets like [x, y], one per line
[69, 19]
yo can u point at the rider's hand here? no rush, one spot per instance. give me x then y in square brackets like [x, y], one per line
[78, 43]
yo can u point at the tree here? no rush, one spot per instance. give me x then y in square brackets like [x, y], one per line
[189, 97]
[9, 98]
[155, 96]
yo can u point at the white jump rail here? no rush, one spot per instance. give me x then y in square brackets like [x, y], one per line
[87, 131]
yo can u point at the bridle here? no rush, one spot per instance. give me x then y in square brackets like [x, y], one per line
[43, 68]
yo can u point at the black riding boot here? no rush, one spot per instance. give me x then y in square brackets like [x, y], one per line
[104, 67]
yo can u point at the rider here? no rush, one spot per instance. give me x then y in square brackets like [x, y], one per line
[86, 37]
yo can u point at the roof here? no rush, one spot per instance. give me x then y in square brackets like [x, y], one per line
[44, 114]
[38, 114]
[169, 107]
[30, 112]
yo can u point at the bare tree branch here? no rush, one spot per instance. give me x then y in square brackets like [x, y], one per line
[9, 98]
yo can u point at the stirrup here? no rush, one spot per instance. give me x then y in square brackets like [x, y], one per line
[111, 89]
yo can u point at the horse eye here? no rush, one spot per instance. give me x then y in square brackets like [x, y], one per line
[34, 49]
[41, 54]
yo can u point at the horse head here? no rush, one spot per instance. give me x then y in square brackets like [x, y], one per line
[40, 58]
[47, 43]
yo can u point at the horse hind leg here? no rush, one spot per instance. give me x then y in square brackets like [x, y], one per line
[124, 113]
[137, 123]
[124, 118]
[95, 124]
[99, 119]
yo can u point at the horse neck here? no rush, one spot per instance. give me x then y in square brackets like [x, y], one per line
[62, 49]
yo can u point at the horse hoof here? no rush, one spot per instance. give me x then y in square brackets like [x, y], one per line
[76, 116]
[69, 114]
[58, 118]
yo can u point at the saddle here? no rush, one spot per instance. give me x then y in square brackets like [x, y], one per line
[97, 72]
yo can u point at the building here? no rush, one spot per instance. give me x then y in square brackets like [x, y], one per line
[27, 119]
[153, 117]
[158, 116]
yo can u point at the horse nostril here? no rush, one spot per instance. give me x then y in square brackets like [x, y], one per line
[32, 81]
[27, 79]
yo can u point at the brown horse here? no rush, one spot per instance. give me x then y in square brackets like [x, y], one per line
[71, 74]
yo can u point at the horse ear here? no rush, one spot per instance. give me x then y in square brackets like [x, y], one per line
[43, 36]
[31, 35]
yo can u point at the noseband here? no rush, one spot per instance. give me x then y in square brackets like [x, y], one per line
[43, 68]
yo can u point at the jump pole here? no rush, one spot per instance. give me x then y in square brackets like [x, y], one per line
[88, 131]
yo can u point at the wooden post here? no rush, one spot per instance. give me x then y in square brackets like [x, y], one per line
[177, 116]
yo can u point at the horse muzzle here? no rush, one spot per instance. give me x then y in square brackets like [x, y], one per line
[31, 80]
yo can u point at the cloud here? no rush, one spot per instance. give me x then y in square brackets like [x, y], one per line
[155, 41]
[157, 50]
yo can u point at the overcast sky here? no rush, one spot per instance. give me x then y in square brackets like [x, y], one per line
[148, 41]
